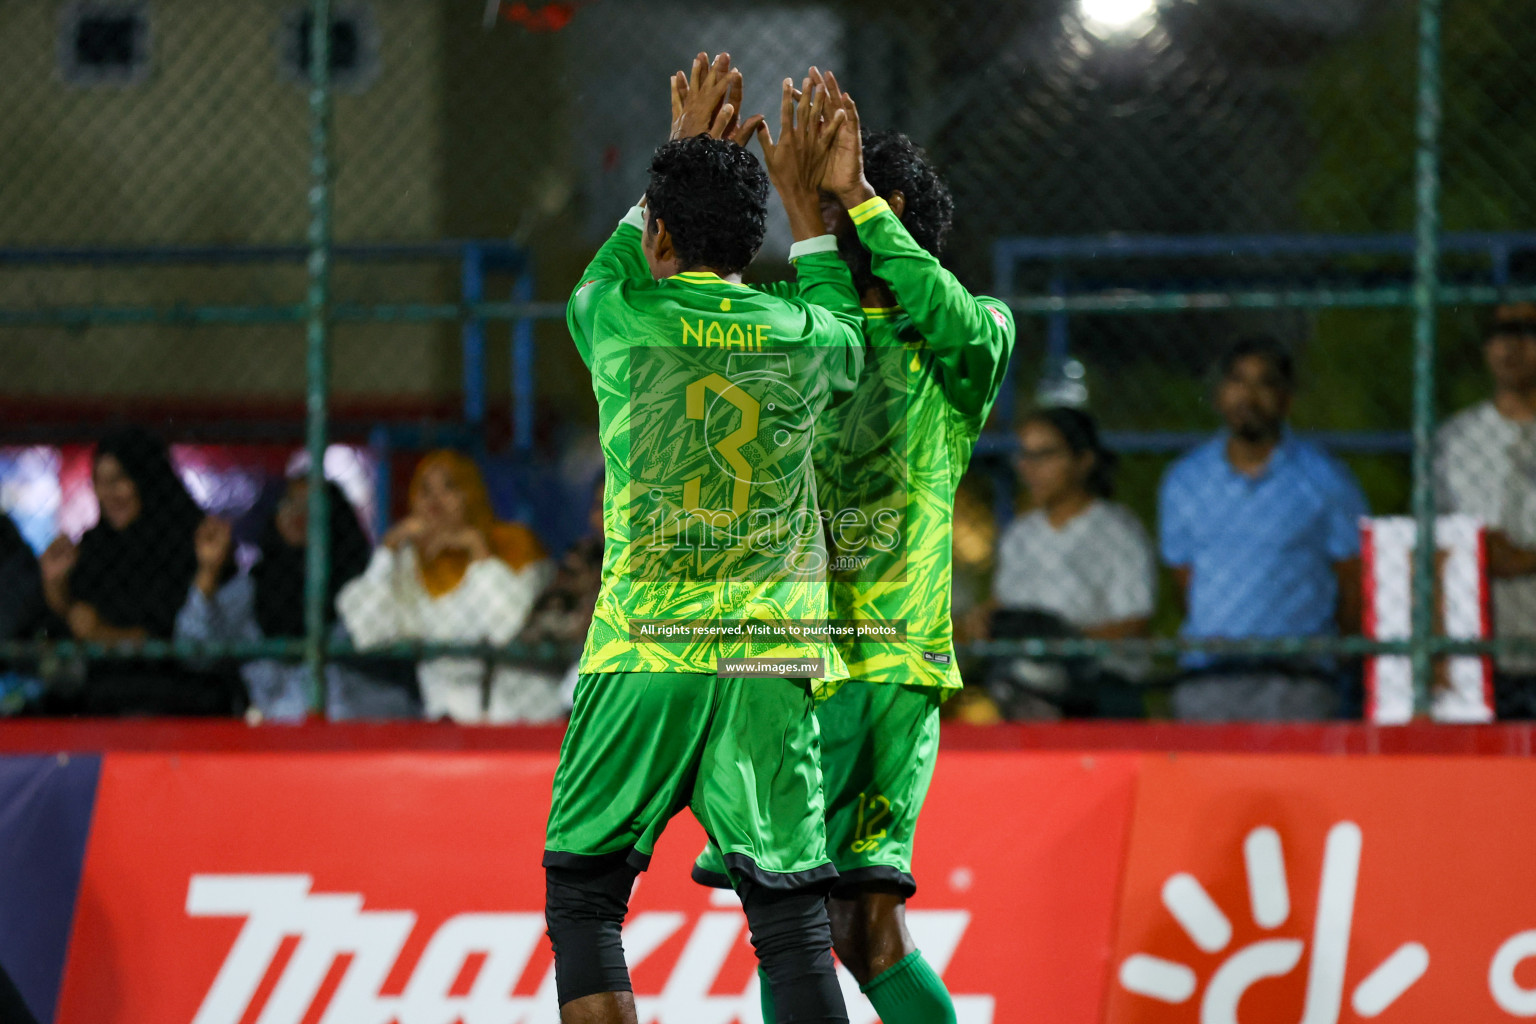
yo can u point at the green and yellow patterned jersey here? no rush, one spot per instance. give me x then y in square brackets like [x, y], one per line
[890, 459]
[708, 394]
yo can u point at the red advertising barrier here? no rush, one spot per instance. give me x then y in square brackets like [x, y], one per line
[229, 888]
[1071, 887]
[1285, 889]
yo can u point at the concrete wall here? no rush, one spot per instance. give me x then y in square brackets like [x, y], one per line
[212, 147]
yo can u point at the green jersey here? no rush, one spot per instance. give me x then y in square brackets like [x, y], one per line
[708, 394]
[890, 459]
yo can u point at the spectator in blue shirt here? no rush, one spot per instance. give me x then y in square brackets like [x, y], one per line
[1262, 532]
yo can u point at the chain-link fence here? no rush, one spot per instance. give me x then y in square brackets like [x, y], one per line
[253, 238]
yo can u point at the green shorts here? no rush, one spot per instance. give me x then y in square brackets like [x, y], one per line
[742, 753]
[879, 743]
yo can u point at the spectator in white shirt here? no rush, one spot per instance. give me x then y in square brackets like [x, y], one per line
[1485, 466]
[1076, 554]
[449, 572]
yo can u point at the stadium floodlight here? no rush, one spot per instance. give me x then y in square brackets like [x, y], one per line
[1118, 18]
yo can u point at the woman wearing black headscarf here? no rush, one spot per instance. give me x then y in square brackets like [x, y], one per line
[128, 576]
[269, 604]
[22, 617]
[21, 585]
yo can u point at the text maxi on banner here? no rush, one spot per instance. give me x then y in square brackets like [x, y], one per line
[370, 888]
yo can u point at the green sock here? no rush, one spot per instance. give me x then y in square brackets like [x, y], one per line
[910, 993]
[769, 1017]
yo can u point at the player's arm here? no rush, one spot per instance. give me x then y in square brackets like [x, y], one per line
[971, 337]
[823, 282]
[796, 165]
[619, 259]
[810, 133]
[706, 102]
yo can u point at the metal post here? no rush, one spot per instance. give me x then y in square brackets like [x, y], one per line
[1426, 282]
[472, 287]
[1058, 343]
[522, 365]
[317, 335]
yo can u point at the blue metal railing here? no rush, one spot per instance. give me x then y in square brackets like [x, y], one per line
[477, 259]
[1062, 255]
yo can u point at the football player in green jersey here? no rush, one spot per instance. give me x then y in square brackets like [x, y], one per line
[707, 394]
[935, 363]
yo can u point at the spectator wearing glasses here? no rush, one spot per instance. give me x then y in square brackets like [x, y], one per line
[1076, 563]
[1485, 466]
[1262, 532]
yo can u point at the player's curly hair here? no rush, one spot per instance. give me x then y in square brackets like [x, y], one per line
[894, 163]
[713, 196]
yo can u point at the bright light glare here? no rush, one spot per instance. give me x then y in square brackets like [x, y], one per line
[1119, 16]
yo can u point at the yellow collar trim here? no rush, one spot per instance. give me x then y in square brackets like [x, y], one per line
[699, 277]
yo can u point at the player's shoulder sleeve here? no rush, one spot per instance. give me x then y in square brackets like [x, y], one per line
[824, 295]
[840, 337]
[1459, 436]
[620, 259]
[778, 289]
[972, 338]
[823, 278]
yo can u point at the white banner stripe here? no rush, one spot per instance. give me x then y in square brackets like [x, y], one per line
[1156, 978]
[1267, 888]
[1395, 976]
[1202, 920]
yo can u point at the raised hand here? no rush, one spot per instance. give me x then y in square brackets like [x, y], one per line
[844, 173]
[708, 102]
[58, 559]
[797, 162]
[407, 532]
[466, 539]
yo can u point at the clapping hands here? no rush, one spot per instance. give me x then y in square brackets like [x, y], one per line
[843, 173]
[708, 102]
[58, 560]
[818, 150]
